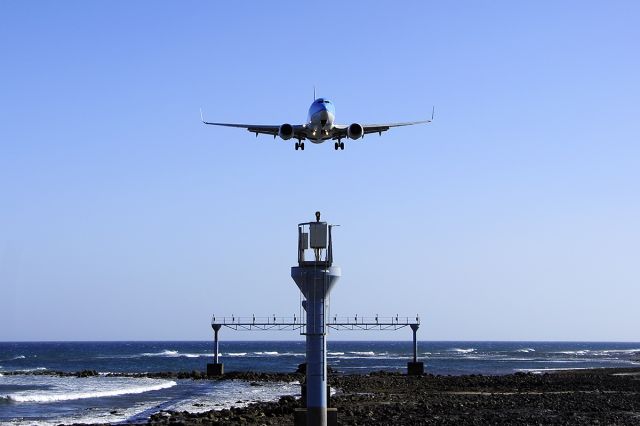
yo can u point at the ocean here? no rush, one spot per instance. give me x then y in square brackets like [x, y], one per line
[47, 399]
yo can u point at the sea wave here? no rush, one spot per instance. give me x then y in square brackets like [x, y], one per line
[620, 351]
[165, 352]
[173, 354]
[525, 350]
[17, 357]
[236, 354]
[463, 351]
[28, 370]
[335, 353]
[69, 396]
[580, 352]
[544, 370]
[367, 353]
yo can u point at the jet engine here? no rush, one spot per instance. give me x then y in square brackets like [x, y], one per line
[355, 131]
[286, 131]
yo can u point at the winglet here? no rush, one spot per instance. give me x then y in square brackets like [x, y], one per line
[201, 116]
[433, 111]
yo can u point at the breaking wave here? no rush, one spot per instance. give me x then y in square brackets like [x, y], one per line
[166, 352]
[580, 352]
[14, 358]
[53, 397]
[29, 370]
[620, 351]
[276, 353]
[174, 354]
[463, 351]
[366, 353]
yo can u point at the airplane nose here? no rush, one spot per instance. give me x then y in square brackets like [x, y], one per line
[324, 117]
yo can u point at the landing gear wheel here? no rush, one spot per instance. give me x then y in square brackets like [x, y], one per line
[302, 146]
[342, 146]
[297, 146]
[335, 146]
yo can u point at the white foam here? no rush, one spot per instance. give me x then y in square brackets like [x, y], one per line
[29, 370]
[367, 353]
[620, 351]
[525, 350]
[174, 354]
[463, 351]
[544, 370]
[335, 353]
[580, 352]
[166, 352]
[236, 354]
[91, 390]
[194, 355]
[236, 393]
[372, 367]
[14, 358]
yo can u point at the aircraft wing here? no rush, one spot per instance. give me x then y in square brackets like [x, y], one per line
[340, 131]
[378, 128]
[299, 131]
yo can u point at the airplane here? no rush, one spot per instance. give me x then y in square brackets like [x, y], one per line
[320, 127]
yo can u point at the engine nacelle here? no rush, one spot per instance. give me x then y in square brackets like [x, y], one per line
[355, 131]
[286, 131]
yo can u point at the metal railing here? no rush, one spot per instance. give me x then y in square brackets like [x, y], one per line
[334, 322]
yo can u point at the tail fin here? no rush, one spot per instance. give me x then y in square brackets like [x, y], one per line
[314, 92]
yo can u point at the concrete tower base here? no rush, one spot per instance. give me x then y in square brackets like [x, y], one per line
[215, 369]
[300, 417]
[415, 368]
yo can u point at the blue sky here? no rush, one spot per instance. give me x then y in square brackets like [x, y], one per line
[514, 216]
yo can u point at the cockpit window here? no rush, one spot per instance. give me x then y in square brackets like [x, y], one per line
[327, 102]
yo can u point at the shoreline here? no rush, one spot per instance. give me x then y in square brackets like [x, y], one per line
[567, 397]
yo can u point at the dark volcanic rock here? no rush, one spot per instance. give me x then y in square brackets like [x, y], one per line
[564, 398]
[578, 397]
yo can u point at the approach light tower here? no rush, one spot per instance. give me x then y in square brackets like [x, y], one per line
[315, 278]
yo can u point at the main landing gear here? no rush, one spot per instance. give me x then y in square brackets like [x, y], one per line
[300, 145]
[338, 145]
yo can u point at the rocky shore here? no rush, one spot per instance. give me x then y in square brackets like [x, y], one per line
[578, 397]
